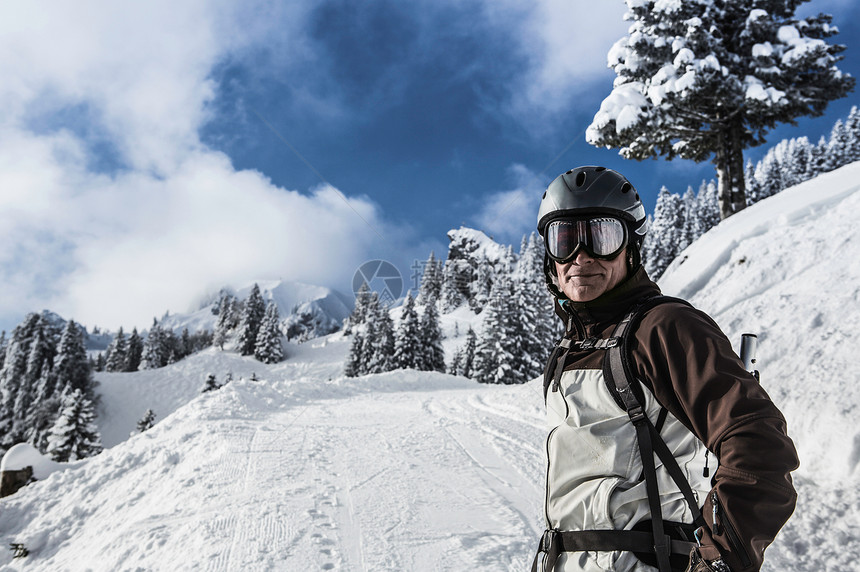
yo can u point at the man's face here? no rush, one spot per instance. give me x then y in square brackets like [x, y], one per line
[585, 278]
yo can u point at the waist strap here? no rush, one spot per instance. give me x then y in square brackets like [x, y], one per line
[554, 542]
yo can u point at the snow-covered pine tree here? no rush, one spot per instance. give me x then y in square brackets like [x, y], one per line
[852, 125]
[74, 435]
[664, 234]
[379, 338]
[359, 311]
[117, 353]
[135, 351]
[71, 368]
[837, 146]
[153, 348]
[479, 289]
[468, 354]
[433, 358]
[707, 208]
[40, 362]
[456, 362]
[451, 294]
[431, 280]
[146, 422]
[268, 347]
[407, 337]
[817, 159]
[185, 345]
[538, 315]
[228, 319]
[354, 359]
[769, 175]
[252, 317]
[796, 162]
[493, 358]
[710, 78]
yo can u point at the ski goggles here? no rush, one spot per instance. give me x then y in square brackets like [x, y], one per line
[601, 237]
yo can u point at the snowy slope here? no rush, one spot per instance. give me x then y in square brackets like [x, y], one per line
[788, 269]
[308, 470]
[302, 470]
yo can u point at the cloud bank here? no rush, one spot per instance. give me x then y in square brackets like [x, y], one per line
[112, 210]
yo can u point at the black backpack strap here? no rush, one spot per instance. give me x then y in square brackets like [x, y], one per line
[618, 371]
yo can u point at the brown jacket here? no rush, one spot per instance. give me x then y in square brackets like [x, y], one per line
[687, 362]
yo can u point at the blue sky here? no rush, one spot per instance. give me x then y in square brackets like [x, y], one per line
[153, 153]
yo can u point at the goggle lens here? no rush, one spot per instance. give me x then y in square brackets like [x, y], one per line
[602, 237]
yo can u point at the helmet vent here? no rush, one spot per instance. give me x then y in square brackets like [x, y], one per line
[544, 195]
[626, 187]
[599, 169]
[580, 178]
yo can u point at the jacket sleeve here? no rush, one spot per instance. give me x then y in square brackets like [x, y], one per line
[693, 371]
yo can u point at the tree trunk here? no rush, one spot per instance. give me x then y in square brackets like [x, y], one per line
[729, 163]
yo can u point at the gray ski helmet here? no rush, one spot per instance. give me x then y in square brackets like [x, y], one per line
[590, 190]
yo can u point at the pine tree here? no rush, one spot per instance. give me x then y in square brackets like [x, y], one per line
[407, 344]
[431, 280]
[433, 358]
[482, 285]
[493, 358]
[710, 79]
[852, 126]
[817, 159]
[268, 348]
[252, 317]
[117, 353]
[355, 360]
[359, 311]
[837, 146]
[74, 435]
[135, 351]
[453, 285]
[378, 350]
[13, 378]
[226, 320]
[154, 355]
[468, 359]
[147, 421]
[664, 234]
[71, 369]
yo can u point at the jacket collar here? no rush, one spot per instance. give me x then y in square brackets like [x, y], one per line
[611, 304]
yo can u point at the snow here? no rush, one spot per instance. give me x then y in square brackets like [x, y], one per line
[306, 469]
[800, 46]
[756, 90]
[762, 50]
[622, 105]
[25, 455]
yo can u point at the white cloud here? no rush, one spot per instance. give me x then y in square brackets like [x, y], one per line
[566, 42]
[508, 215]
[175, 218]
[118, 250]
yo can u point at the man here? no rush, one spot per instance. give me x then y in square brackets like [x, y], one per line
[688, 390]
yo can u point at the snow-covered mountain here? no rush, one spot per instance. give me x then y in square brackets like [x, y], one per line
[306, 311]
[306, 469]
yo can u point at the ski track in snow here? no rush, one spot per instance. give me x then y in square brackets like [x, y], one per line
[302, 476]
